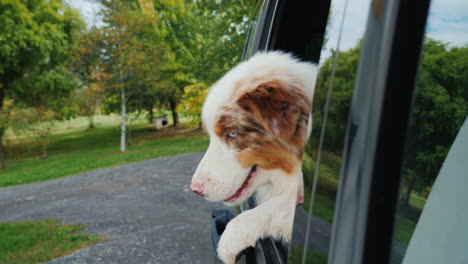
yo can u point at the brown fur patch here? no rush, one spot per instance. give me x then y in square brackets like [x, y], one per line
[271, 123]
[274, 158]
[284, 111]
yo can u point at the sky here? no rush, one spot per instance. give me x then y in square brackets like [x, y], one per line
[88, 9]
[353, 28]
[448, 21]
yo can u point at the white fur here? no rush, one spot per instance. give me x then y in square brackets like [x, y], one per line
[220, 171]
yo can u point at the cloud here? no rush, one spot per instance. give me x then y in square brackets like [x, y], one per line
[448, 21]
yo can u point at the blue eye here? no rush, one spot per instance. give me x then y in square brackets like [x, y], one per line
[232, 134]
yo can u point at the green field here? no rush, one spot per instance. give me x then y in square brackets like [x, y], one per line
[39, 241]
[74, 149]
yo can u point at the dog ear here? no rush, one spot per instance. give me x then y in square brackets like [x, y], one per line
[283, 110]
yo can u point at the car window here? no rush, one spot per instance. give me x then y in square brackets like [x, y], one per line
[323, 155]
[432, 216]
[260, 28]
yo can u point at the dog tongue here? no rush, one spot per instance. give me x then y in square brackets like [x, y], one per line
[241, 189]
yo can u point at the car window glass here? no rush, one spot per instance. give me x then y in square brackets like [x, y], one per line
[258, 26]
[322, 157]
[432, 216]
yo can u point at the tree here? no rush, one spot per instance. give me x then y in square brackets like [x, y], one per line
[130, 60]
[87, 100]
[14, 117]
[153, 49]
[35, 35]
[46, 101]
[343, 85]
[205, 40]
[440, 108]
[85, 63]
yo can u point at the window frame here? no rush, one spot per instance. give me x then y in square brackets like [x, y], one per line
[374, 148]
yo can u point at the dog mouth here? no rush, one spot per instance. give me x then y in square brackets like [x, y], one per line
[244, 185]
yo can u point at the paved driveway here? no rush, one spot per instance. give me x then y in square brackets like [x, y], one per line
[145, 209]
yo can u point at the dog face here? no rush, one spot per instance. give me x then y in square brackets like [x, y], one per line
[257, 117]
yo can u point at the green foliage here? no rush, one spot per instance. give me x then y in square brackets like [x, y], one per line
[153, 49]
[86, 57]
[206, 37]
[86, 100]
[36, 38]
[46, 101]
[40, 241]
[46, 91]
[192, 102]
[132, 58]
[13, 116]
[34, 33]
[440, 109]
[343, 85]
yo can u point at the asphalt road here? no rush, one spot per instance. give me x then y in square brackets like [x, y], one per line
[144, 209]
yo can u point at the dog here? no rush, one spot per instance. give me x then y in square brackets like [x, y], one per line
[258, 119]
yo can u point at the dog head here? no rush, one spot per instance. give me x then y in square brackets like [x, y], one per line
[257, 117]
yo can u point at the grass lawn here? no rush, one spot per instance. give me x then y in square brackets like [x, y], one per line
[74, 149]
[404, 229]
[312, 257]
[40, 241]
[324, 205]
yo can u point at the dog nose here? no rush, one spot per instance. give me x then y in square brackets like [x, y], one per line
[197, 188]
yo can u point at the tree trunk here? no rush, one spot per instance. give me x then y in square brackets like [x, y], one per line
[2, 129]
[2, 95]
[200, 124]
[91, 122]
[150, 115]
[175, 116]
[43, 147]
[407, 196]
[124, 122]
[2, 150]
[124, 102]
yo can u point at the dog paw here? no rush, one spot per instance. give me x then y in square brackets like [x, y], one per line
[233, 241]
[225, 250]
[225, 255]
